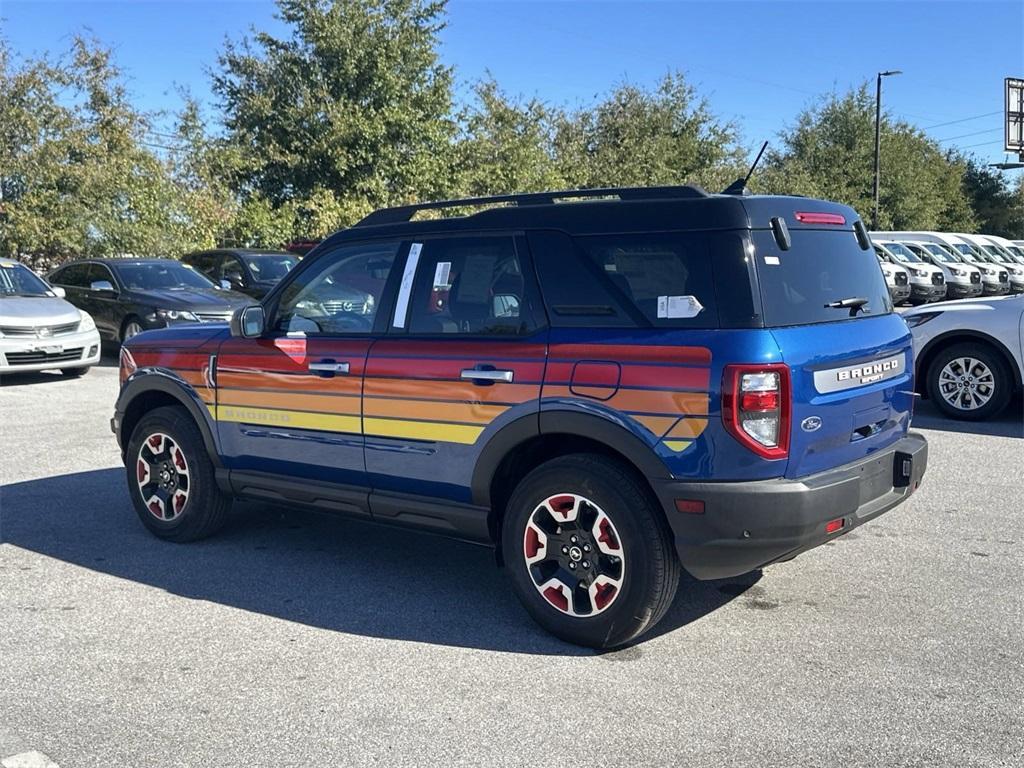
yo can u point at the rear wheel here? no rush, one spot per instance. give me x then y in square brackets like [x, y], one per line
[171, 478]
[970, 382]
[588, 551]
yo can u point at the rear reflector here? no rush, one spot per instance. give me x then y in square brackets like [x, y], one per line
[690, 506]
[834, 525]
[810, 217]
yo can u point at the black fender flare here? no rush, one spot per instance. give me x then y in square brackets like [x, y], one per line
[562, 422]
[148, 380]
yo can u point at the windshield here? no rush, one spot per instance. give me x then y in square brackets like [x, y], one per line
[157, 275]
[941, 253]
[270, 266]
[1017, 251]
[19, 280]
[823, 277]
[902, 253]
[968, 253]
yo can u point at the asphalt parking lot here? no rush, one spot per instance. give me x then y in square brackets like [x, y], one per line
[297, 640]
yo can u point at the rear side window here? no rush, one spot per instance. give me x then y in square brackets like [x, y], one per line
[665, 278]
[806, 284]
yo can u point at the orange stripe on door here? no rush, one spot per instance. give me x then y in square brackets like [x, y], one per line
[341, 404]
[470, 413]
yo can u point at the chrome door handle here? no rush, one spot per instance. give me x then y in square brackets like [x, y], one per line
[477, 374]
[329, 366]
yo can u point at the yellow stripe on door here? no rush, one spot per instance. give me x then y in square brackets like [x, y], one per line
[275, 418]
[400, 428]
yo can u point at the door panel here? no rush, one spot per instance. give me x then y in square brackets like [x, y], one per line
[425, 424]
[276, 415]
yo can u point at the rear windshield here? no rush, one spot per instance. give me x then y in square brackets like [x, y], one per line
[824, 277]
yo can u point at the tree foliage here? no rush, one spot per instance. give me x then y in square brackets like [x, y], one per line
[351, 108]
[829, 153]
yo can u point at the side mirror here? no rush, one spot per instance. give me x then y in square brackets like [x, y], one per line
[101, 285]
[225, 285]
[59, 292]
[248, 322]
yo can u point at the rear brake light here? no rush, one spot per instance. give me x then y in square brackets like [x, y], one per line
[756, 407]
[810, 217]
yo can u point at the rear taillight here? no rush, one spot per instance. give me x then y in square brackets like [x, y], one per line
[756, 407]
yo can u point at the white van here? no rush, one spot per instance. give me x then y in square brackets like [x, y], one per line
[927, 283]
[963, 281]
[994, 277]
[1002, 253]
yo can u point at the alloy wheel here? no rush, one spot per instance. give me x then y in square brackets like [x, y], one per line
[163, 477]
[574, 555]
[132, 329]
[966, 383]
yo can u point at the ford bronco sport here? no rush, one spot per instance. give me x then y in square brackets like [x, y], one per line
[605, 385]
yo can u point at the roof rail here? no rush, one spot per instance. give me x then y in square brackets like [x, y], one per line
[406, 212]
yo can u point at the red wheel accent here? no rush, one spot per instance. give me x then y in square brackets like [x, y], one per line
[179, 460]
[143, 471]
[156, 509]
[557, 598]
[604, 595]
[607, 536]
[532, 544]
[156, 441]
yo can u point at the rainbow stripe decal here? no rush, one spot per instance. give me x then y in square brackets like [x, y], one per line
[398, 392]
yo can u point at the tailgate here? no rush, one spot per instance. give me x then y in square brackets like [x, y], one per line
[852, 389]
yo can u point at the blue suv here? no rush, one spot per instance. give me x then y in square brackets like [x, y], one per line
[605, 385]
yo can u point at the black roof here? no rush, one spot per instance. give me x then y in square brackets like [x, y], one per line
[630, 209]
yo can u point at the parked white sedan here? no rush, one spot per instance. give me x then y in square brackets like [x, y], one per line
[38, 329]
[968, 354]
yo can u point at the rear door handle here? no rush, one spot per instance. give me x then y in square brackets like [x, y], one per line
[328, 366]
[479, 374]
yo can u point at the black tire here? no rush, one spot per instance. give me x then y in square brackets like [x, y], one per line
[1000, 381]
[205, 507]
[74, 373]
[650, 572]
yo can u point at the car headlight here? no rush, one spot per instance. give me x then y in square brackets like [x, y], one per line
[173, 315]
[86, 323]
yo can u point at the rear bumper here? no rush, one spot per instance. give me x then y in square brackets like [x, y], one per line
[747, 525]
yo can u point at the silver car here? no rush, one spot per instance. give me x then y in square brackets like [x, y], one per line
[969, 354]
[38, 329]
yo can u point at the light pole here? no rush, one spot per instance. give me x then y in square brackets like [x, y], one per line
[878, 136]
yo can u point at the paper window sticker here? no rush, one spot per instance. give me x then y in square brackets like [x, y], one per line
[405, 289]
[774, 260]
[442, 273]
[676, 307]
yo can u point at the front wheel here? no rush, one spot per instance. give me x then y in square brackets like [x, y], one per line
[74, 373]
[969, 382]
[171, 478]
[588, 551]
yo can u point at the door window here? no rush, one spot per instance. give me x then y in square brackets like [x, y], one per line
[469, 285]
[73, 275]
[232, 271]
[98, 273]
[340, 293]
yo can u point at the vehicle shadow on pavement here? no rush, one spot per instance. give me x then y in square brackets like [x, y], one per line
[107, 360]
[1009, 423]
[335, 574]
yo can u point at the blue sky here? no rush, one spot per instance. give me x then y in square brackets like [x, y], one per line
[758, 63]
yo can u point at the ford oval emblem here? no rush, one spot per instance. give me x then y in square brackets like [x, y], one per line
[811, 424]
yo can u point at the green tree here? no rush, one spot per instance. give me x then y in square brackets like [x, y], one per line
[829, 153]
[637, 137]
[506, 145]
[352, 103]
[75, 177]
[998, 205]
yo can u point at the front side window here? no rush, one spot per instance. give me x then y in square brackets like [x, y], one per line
[340, 293]
[19, 280]
[232, 271]
[468, 285]
[270, 266]
[161, 275]
[73, 276]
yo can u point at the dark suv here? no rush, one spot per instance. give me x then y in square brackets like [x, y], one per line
[246, 270]
[605, 390]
